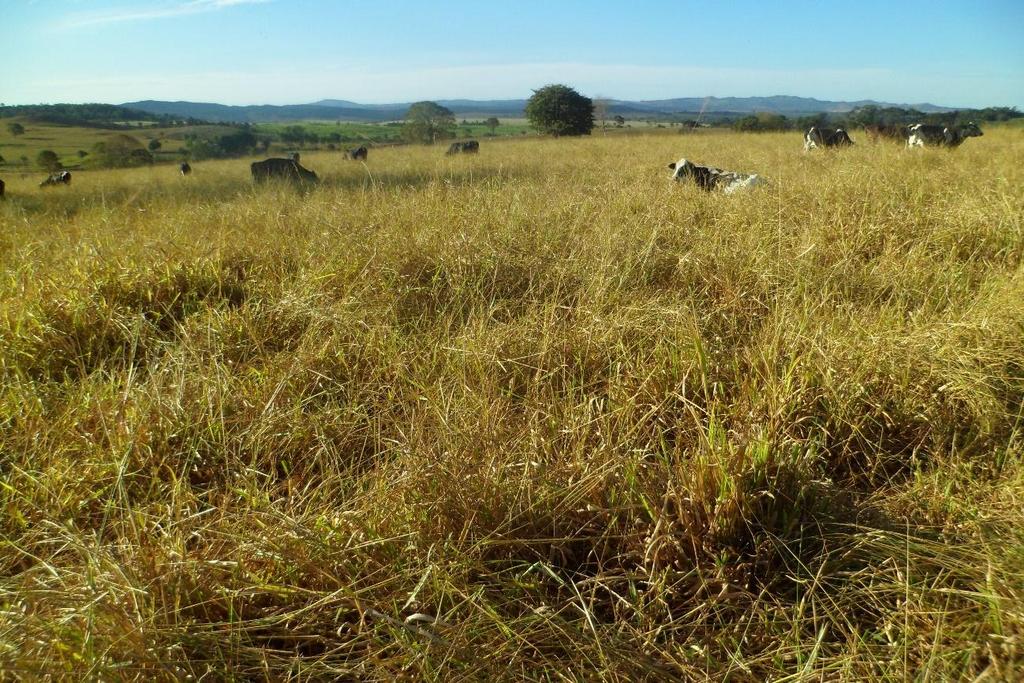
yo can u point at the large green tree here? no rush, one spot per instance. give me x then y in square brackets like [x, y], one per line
[49, 160]
[121, 150]
[237, 143]
[428, 122]
[560, 110]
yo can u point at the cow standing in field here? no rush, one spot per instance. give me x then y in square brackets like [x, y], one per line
[925, 134]
[876, 132]
[825, 137]
[58, 178]
[467, 147]
[709, 178]
[286, 169]
[185, 168]
[357, 153]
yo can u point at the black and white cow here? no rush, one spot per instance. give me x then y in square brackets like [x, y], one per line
[467, 147]
[185, 168]
[58, 178]
[924, 134]
[825, 137]
[285, 169]
[709, 178]
[359, 153]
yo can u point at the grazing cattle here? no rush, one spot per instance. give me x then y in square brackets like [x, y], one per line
[467, 147]
[825, 137]
[876, 132]
[58, 178]
[287, 169]
[709, 178]
[358, 153]
[922, 134]
[185, 168]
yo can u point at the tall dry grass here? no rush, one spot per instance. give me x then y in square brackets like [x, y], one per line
[539, 414]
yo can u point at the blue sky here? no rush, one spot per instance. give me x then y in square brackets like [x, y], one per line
[295, 51]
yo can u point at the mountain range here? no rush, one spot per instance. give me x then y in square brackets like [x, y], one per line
[346, 110]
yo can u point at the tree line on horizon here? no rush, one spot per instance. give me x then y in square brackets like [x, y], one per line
[872, 115]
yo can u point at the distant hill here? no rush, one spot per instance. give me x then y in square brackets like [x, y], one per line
[332, 109]
[90, 115]
[507, 107]
[776, 104]
[266, 113]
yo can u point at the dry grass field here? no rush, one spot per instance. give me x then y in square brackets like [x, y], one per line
[538, 414]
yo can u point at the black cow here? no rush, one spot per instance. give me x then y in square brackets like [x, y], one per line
[1, 189]
[58, 178]
[876, 132]
[185, 168]
[708, 178]
[467, 147]
[287, 169]
[825, 137]
[359, 153]
[922, 134]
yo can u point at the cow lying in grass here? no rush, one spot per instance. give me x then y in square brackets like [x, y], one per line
[59, 178]
[709, 178]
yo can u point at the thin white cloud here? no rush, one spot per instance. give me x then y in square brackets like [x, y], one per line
[166, 11]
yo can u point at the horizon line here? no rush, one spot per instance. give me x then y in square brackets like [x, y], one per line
[612, 99]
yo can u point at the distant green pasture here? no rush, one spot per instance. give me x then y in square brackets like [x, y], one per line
[387, 132]
[66, 141]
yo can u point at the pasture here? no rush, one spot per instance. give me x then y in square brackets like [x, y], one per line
[391, 132]
[66, 141]
[537, 413]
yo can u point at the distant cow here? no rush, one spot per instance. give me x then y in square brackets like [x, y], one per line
[922, 134]
[825, 137]
[467, 147]
[58, 178]
[709, 178]
[876, 132]
[287, 169]
[185, 168]
[358, 153]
